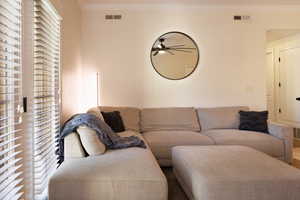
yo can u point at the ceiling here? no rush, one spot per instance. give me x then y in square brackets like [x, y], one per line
[200, 2]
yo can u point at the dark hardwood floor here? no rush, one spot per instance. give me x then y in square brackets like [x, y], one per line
[175, 191]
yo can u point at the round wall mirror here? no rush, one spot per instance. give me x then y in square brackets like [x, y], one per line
[174, 55]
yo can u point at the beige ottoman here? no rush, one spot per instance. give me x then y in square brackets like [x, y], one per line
[234, 173]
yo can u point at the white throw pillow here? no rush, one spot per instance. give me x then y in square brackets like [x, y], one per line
[73, 147]
[90, 141]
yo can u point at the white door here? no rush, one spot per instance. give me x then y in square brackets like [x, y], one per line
[270, 84]
[289, 90]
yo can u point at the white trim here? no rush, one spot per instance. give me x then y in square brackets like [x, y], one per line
[272, 52]
[181, 6]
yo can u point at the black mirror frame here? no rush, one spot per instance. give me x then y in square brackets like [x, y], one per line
[198, 55]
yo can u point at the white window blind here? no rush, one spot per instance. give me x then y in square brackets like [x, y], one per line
[10, 99]
[46, 93]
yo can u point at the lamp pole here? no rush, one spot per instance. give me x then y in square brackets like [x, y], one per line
[98, 89]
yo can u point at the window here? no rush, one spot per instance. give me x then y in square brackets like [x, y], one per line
[10, 99]
[45, 70]
[46, 106]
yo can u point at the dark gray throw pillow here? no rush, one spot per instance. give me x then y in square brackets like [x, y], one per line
[114, 120]
[254, 121]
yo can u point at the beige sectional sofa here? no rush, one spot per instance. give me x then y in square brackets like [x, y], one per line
[134, 173]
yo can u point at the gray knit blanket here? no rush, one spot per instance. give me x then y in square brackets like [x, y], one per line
[107, 136]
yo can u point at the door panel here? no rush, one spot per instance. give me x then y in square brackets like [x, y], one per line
[289, 75]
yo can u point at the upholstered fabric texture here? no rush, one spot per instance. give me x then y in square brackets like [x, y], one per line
[220, 118]
[286, 134]
[260, 141]
[254, 121]
[127, 174]
[130, 116]
[73, 147]
[235, 173]
[161, 142]
[161, 119]
[90, 141]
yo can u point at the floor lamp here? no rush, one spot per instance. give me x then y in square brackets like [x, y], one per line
[98, 89]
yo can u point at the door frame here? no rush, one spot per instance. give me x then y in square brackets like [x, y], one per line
[278, 46]
[272, 52]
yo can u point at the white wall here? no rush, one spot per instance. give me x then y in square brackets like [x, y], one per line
[232, 56]
[71, 58]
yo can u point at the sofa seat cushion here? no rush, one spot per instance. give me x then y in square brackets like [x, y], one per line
[117, 174]
[259, 141]
[165, 119]
[161, 142]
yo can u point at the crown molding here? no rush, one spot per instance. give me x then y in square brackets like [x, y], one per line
[177, 6]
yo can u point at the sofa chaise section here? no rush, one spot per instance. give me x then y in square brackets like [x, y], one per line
[127, 174]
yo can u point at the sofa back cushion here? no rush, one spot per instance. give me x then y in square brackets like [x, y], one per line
[160, 119]
[130, 115]
[220, 118]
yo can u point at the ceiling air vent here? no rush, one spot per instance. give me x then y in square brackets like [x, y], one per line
[113, 17]
[242, 18]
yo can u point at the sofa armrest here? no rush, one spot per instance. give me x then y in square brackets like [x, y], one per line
[286, 134]
[73, 147]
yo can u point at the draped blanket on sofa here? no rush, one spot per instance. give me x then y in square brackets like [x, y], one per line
[111, 139]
